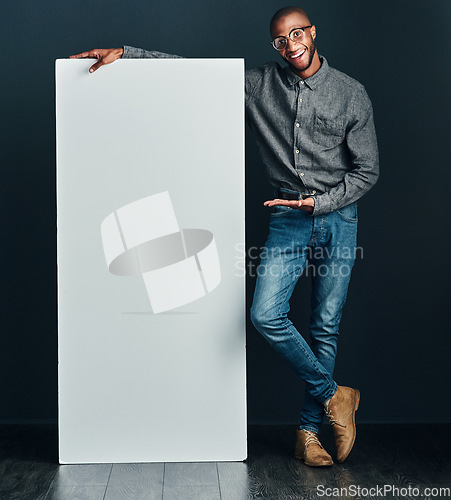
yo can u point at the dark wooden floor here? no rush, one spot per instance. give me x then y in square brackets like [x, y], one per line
[397, 455]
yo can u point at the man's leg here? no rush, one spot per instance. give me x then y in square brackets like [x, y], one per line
[332, 259]
[283, 260]
[328, 300]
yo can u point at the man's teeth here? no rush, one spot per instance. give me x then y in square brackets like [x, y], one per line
[297, 55]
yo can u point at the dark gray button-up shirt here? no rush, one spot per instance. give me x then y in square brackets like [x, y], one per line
[314, 136]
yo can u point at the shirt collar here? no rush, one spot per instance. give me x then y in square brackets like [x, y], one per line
[312, 81]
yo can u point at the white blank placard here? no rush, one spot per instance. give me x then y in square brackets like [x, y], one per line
[150, 165]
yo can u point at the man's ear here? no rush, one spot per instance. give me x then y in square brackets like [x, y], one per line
[313, 31]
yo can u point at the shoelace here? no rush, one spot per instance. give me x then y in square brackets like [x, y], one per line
[311, 438]
[332, 419]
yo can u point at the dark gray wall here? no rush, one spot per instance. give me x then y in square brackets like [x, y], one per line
[395, 339]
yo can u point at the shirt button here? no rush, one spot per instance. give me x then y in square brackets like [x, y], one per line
[314, 191]
[297, 151]
[302, 174]
[297, 125]
[300, 100]
[302, 81]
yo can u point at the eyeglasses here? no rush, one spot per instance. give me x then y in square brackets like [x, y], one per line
[296, 34]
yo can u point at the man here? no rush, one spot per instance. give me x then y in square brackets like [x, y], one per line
[315, 133]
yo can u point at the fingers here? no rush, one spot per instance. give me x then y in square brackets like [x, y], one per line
[103, 56]
[97, 65]
[276, 201]
[88, 53]
[285, 203]
[91, 54]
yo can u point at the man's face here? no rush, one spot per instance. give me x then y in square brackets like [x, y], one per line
[298, 54]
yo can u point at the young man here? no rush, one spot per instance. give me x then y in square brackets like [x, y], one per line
[315, 133]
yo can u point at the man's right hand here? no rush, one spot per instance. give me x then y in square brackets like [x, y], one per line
[103, 56]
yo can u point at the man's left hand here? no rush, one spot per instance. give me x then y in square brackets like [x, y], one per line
[306, 205]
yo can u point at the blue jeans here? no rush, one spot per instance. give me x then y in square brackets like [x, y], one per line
[324, 246]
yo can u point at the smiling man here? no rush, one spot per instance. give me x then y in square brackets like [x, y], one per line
[315, 133]
[302, 56]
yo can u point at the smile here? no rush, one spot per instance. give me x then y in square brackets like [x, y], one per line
[297, 55]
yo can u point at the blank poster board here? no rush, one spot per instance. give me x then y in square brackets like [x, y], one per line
[151, 288]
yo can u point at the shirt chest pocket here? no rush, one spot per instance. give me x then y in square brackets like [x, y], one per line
[328, 132]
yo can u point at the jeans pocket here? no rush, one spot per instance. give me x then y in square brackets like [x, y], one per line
[349, 212]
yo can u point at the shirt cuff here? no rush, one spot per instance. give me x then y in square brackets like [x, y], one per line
[322, 205]
[131, 52]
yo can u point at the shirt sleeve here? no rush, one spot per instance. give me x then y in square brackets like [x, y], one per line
[253, 78]
[136, 53]
[362, 145]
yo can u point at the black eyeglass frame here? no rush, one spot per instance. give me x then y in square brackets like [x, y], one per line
[272, 42]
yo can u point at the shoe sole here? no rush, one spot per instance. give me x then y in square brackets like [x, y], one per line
[356, 407]
[311, 464]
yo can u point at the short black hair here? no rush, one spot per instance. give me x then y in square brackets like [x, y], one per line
[284, 11]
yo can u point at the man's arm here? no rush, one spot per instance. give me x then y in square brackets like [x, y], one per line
[362, 145]
[107, 56]
[136, 53]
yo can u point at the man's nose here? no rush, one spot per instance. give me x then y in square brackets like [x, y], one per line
[290, 44]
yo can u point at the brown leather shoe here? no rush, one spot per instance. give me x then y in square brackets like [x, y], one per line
[309, 449]
[341, 414]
